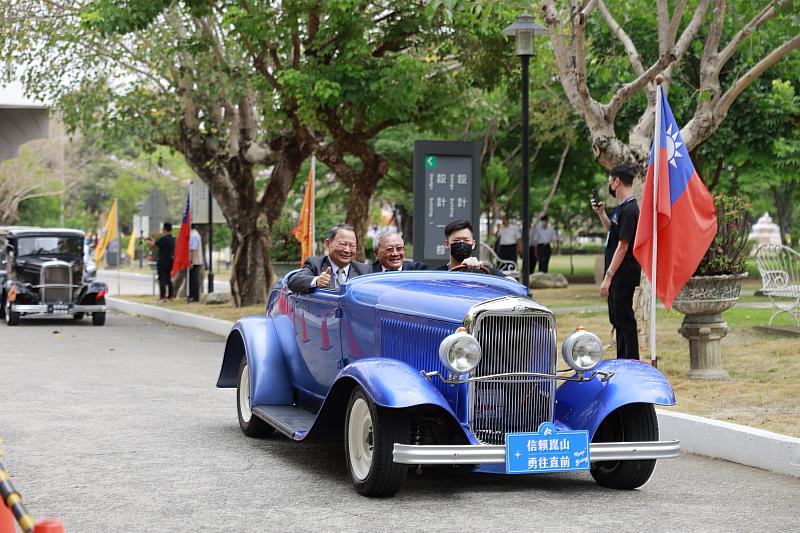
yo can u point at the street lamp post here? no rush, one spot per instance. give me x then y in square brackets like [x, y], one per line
[523, 30]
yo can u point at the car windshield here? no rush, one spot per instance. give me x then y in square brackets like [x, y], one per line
[50, 246]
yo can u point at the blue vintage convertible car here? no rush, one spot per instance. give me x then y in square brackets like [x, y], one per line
[427, 367]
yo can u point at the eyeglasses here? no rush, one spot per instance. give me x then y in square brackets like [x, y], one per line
[342, 244]
[396, 249]
[462, 239]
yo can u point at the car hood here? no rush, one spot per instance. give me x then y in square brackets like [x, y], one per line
[440, 294]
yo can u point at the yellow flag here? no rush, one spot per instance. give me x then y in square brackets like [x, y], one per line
[109, 234]
[132, 247]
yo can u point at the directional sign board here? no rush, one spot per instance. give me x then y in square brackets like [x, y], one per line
[200, 205]
[446, 188]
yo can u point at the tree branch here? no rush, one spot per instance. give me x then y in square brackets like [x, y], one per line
[763, 16]
[556, 179]
[721, 109]
[627, 43]
[664, 43]
[677, 15]
[691, 30]
[629, 89]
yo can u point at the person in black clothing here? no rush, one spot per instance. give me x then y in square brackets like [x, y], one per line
[166, 253]
[622, 271]
[459, 240]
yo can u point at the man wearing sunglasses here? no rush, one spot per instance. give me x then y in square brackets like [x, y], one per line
[332, 270]
[390, 254]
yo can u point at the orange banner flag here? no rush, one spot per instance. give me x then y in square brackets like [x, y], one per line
[304, 231]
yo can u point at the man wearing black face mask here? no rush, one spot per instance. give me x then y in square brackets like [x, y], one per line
[460, 241]
[622, 269]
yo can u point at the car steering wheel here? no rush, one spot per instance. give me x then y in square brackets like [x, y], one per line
[483, 269]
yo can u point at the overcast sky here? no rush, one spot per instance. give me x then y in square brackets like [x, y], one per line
[12, 96]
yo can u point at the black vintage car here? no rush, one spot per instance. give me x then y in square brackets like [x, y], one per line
[45, 275]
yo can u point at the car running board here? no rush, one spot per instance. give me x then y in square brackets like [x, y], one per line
[294, 422]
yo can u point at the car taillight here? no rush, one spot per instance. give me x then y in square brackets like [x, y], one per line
[100, 294]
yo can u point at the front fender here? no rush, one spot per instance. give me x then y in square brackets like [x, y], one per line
[394, 384]
[388, 382]
[585, 405]
[257, 338]
[90, 291]
[23, 293]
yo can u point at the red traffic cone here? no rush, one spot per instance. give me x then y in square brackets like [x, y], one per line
[6, 520]
[303, 324]
[49, 525]
[326, 342]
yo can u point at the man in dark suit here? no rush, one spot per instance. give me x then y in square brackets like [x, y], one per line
[391, 253]
[166, 253]
[333, 269]
[460, 242]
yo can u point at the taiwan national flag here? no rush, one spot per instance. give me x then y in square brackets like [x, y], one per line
[181, 261]
[687, 220]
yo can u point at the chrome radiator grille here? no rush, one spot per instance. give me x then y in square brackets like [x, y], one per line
[56, 284]
[513, 343]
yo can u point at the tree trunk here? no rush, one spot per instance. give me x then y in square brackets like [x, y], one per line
[251, 272]
[360, 184]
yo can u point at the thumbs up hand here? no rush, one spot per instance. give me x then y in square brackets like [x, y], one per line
[324, 279]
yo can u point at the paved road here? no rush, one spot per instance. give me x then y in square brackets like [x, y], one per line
[120, 428]
[133, 283]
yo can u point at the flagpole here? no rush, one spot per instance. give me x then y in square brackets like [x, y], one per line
[189, 227]
[119, 246]
[313, 204]
[654, 259]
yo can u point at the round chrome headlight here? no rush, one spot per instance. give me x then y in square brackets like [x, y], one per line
[582, 350]
[460, 352]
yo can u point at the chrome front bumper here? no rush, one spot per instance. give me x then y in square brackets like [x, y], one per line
[496, 454]
[57, 309]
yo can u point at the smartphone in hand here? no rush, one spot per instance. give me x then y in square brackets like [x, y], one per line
[595, 197]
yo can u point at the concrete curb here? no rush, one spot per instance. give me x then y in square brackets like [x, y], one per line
[732, 442]
[219, 286]
[179, 318]
[698, 435]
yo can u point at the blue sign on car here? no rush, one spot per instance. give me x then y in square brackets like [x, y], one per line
[547, 450]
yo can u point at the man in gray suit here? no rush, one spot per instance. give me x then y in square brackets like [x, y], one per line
[391, 254]
[332, 270]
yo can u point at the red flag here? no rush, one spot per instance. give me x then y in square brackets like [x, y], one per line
[181, 261]
[687, 220]
[304, 231]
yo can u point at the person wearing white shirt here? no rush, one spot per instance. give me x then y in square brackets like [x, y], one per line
[196, 260]
[507, 239]
[543, 236]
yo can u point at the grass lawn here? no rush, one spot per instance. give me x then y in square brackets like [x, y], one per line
[764, 389]
[222, 311]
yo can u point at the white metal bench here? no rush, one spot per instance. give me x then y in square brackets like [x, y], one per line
[487, 255]
[779, 267]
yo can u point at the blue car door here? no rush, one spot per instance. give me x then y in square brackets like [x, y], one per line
[317, 326]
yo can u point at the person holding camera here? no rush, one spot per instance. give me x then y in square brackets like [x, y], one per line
[622, 270]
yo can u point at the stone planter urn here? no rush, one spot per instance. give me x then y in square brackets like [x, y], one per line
[703, 300]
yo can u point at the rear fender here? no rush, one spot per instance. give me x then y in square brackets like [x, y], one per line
[257, 338]
[585, 405]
